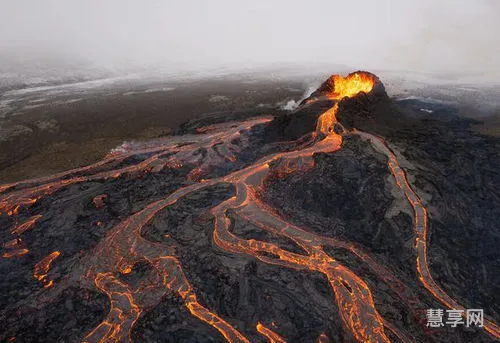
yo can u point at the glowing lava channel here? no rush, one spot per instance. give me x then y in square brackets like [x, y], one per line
[420, 226]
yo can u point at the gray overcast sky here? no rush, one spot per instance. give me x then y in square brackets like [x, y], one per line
[421, 35]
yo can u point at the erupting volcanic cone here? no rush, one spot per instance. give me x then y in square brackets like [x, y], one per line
[360, 92]
[337, 87]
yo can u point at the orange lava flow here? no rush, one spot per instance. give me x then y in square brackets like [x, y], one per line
[421, 227]
[14, 248]
[42, 268]
[107, 265]
[326, 121]
[122, 248]
[272, 337]
[19, 229]
[15, 253]
[123, 314]
[14, 243]
[185, 148]
[354, 298]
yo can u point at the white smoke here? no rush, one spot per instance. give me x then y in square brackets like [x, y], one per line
[291, 105]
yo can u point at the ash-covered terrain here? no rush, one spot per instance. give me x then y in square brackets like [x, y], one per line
[344, 220]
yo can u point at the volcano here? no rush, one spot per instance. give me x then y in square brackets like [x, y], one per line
[362, 92]
[342, 221]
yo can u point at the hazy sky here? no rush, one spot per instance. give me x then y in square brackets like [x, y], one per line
[420, 35]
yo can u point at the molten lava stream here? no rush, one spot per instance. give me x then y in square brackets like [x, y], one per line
[15, 253]
[10, 203]
[353, 296]
[272, 337]
[265, 218]
[21, 228]
[42, 268]
[111, 159]
[121, 249]
[420, 227]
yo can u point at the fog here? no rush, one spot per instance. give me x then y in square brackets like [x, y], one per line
[421, 35]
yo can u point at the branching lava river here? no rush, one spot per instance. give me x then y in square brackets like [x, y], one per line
[124, 246]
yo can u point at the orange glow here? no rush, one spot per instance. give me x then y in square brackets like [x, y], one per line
[14, 243]
[42, 268]
[323, 338]
[15, 253]
[351, 85]
[126, 270]
[326, 121]
[13, 211]
[271, 336]
[26, 225]
[15, 248]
